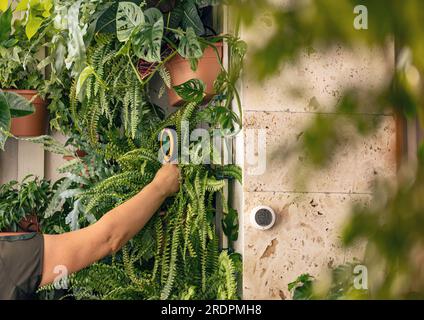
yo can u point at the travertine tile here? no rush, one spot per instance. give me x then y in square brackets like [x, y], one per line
[354, 168]
[316, 81]
[305, 239]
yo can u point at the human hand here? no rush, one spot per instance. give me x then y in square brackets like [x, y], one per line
[167, 179]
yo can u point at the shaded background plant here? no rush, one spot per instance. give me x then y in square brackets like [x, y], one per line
[20, 200]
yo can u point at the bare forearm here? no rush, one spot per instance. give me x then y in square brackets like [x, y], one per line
[126, 220]
[78, 249]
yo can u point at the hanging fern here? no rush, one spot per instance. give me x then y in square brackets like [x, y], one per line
[183, 241]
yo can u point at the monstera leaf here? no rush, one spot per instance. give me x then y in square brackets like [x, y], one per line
[128, 17]
[190, 48]
[191, 91]
[11, 106]
[147, 38]
[104, 20]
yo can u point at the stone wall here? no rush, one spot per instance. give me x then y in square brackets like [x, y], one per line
[306, 236]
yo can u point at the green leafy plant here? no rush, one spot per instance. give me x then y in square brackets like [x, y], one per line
[18, 61]
[18, 200]
[340, 286]
[108, 95]
[11, 106]
[176, 256]
[35, 13]
[183, 241]
[301, 288]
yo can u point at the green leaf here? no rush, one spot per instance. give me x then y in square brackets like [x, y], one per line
[76, 47]
[175, 16]
[11, 105]
[88, 71]
[50, 144]
[22, 5]
[32, 26]
[189, 46]
[128, 17]
[18, 105]
[4, 4]
[5, 25]
[47, 5]
[191, 91]
[106, 19]
[302, 287]
[191, 18]
[5, 119]
[230, 224]
[147, 41]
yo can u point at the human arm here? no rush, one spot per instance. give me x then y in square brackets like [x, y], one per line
[79, 249]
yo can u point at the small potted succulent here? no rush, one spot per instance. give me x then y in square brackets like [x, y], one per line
[22, 204]
[19, 71]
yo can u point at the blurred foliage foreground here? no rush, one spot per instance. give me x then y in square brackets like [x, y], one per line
[393, 225]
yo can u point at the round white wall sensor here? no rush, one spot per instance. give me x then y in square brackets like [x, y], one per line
[262, 217]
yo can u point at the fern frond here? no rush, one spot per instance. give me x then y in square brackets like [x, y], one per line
[230, 170]
[165, 75]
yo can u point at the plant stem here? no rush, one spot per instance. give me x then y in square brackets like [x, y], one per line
[135, 70]
[161, 64]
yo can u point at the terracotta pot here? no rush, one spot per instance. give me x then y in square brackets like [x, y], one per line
[30, 223]
[208, 70]
[78, 152]
[35, 124]
[146, 68]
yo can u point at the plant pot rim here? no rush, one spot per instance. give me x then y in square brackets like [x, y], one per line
[21, 90]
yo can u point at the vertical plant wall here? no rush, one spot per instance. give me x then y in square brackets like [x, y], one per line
[102, 56]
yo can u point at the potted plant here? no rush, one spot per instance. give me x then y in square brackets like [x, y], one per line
[22, 204]
[177, 44]
[208, 68]
[12, 106]
[19, 71]
[205, 62]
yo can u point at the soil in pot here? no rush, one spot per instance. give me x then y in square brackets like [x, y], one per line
[208, 70]
[34, 124]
